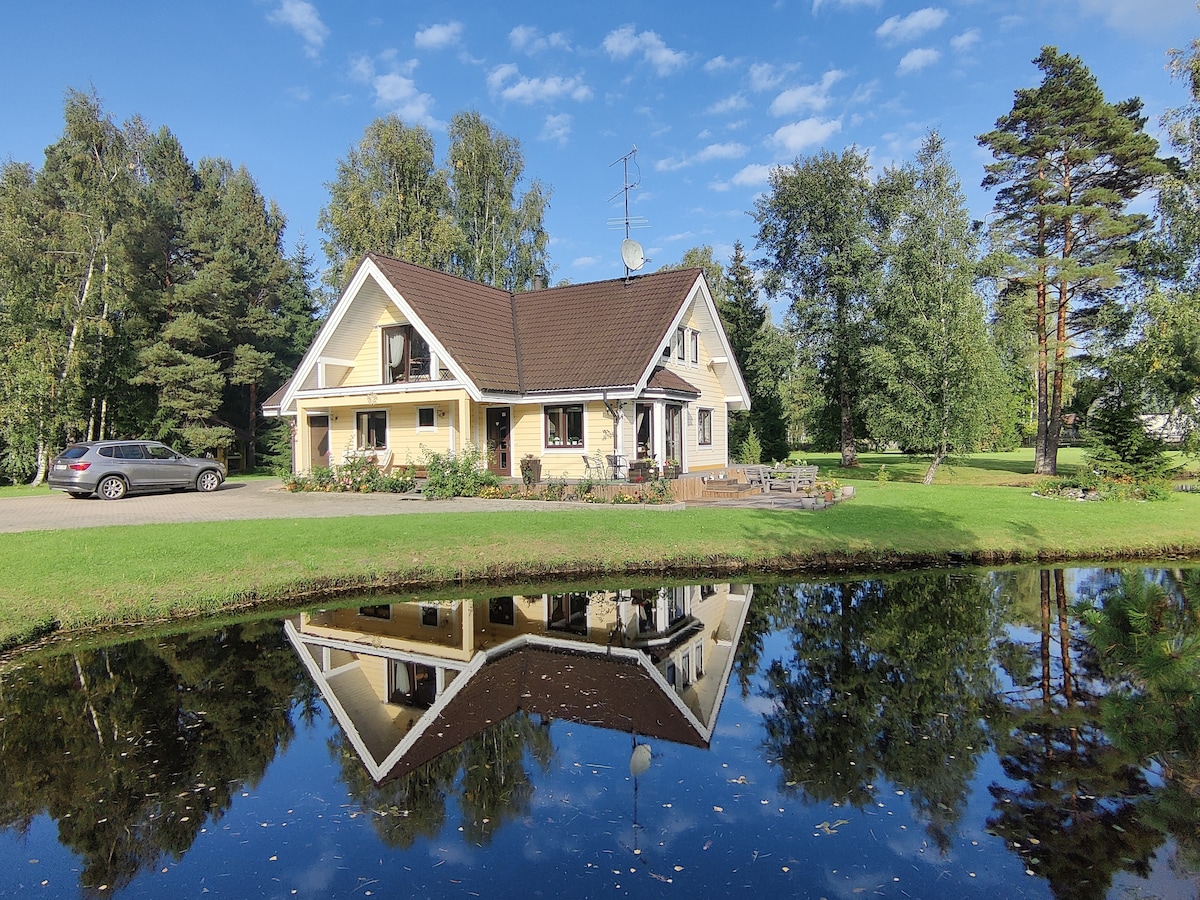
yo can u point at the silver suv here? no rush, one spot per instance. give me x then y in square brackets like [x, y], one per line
[112, 469]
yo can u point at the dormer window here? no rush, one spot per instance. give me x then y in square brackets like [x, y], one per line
[405, 355]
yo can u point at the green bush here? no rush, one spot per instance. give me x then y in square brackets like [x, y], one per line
[750, 451]
[359, 475]
[457, 474]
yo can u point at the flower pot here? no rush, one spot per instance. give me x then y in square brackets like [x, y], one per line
[808, 503]
[829, 496]
[848, 491]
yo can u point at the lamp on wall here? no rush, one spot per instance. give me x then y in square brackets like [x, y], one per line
[441, 412]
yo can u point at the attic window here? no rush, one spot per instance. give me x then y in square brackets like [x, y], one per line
[678, 344]
[405, 355]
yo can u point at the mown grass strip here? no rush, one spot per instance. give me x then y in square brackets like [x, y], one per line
[75, 578]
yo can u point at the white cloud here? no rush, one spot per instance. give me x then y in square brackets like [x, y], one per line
[728, 105]
[508, 83]
[584, 262]
[917, 59]
[396, 90]
[1146, 17]
[965, 41]
[753, 174]
[719, 64]
[902, 29]
[845, 4]
[529, 39]
[764, 76]
[709, 153]
[437, 37]
[302, 17]
[807, 96]
[804, 134]
[626, 41]
[557, 128]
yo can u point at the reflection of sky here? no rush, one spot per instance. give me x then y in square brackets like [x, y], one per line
[709, 822]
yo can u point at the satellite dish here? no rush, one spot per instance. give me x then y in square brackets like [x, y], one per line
[632, 254]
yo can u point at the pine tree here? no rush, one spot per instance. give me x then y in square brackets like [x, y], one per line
[1067, 165]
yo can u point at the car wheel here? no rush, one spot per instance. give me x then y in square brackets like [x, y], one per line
[112, 487]
[78, 495]
[207, 481]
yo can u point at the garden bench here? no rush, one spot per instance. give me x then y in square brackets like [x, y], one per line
[793, 478]
[758, 476]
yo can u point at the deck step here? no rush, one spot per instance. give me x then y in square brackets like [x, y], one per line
[717, 488]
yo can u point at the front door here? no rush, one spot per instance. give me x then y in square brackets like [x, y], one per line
[498, 426]
[318, 442]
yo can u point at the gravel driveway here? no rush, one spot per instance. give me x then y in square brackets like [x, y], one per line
[257, 499]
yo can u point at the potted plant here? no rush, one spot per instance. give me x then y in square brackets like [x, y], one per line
[531, 469]
[671, 468]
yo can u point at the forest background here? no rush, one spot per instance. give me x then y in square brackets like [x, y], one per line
[142, 294]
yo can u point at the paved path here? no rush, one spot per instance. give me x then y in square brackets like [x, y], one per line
[257, 499]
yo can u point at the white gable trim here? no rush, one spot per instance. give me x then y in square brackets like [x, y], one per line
[314, 355]
[699, 293]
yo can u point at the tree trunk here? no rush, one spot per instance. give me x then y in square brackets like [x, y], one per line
[849, 451]
[251, 461]
[1043, 463]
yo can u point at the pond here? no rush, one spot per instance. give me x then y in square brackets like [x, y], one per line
[1018, 733]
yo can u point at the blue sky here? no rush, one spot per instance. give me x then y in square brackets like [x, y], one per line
[711, 94]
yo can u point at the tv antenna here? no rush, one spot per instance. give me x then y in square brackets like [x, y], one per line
[632, 254]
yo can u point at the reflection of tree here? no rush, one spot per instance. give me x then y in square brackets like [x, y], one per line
[1071, 812]
[888, 679]
[1148, 633]
[487, 773]
[768, 600]
[132, 749]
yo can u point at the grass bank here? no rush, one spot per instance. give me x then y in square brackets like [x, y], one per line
[77, 578]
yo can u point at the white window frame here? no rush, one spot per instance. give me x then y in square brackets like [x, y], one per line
[433, 414]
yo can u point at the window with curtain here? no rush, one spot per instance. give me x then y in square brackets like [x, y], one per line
[405, 355]
[704, 427]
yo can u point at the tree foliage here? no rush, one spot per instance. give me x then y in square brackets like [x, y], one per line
[469, 218]
[140, 295]
[933, 368]
[818, 225]
[1067, 164]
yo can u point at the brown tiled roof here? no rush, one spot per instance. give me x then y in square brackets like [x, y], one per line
[665, 380]
[609, 692]
[473, 322]
[597, 335]
[274, 401]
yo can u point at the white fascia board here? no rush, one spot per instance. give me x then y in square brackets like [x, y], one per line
[393, 391]
[699, 293]
[591, 395]
[313, 354]
[723, 339]
[443, 355]
[366, 269]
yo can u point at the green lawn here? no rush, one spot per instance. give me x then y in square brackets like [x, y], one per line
[86, 577]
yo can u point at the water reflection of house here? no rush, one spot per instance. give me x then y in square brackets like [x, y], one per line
[409, 681]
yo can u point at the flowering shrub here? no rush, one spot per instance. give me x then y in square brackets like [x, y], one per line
[457, 474]
[358, 475]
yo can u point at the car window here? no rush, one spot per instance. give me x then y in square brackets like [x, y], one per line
[74, 452]
[130, 451]
[109, 452]
[158, 451]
